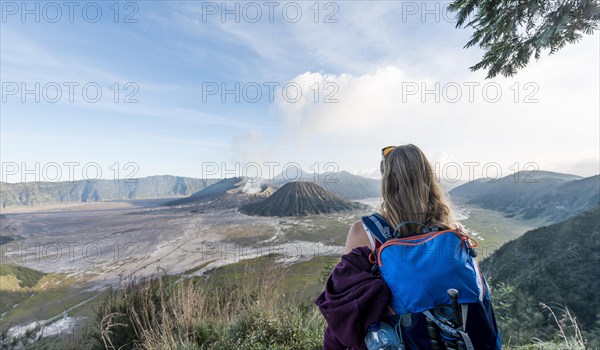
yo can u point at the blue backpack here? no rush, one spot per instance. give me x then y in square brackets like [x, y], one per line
[439, 297]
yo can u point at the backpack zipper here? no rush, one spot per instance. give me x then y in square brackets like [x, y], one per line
[426, 238]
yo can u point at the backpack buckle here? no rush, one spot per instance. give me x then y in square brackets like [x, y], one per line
[373, 261]
[470, 243]
[373, 258]
[405, 320]
[472, 252]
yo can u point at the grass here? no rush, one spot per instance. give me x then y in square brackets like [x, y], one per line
[48, 297]
[568, 336]
[197, 313]
[197, 268]
[10, 283]
[27, 277]
[327, 229]
[159, 313]
[301, 281]
[243, 305]
[247, 305]
[243, 234]
[495, 228]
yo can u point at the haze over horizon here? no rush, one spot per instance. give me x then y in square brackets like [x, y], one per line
[406, 81]
[448, 173]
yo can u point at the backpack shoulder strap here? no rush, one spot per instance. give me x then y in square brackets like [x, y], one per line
[378, 227]
[464, 313]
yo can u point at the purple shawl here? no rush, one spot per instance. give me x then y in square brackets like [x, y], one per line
[352, 300]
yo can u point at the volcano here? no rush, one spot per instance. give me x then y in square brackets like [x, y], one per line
[228, 193]
[300, 199]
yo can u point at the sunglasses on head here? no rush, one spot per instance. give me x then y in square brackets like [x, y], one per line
[386, 150]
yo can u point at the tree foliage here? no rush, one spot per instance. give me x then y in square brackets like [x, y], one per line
[511, 31]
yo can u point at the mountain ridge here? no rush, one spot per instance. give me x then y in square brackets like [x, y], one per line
[551, 196]
[341, 183]
[48, 193]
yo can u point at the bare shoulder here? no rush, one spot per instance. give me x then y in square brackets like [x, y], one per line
[357, 237]
[357, 228]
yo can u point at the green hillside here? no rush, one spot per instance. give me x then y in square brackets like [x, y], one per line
[27, 277]
[15, 282]
[556, 265]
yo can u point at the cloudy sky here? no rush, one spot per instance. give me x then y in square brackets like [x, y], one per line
[177, 87]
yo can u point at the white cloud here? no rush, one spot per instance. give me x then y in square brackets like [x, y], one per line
[374, 110]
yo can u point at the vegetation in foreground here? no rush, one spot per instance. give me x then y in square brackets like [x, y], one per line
[261, 305]
[166, 312]
[555, 265]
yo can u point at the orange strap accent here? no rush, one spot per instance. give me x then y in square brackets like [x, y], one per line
[391, 310]
[472, 243]
[372, 258]
[399, 241]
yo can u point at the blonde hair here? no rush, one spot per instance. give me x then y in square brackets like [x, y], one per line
[411, 192]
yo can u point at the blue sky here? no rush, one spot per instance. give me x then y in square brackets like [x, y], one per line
[370, 53]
